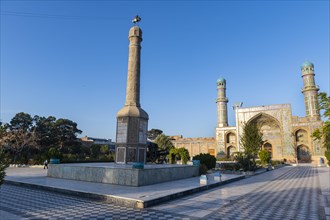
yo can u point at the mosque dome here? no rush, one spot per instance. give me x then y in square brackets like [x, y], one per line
[307, 64]
[221, 80]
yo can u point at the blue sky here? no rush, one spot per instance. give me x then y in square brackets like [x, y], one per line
[68, 59]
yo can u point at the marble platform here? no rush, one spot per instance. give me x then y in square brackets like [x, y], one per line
[122, 174]
[128, 196]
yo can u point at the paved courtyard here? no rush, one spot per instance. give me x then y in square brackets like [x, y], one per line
[287, 193]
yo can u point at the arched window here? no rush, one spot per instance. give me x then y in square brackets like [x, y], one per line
[230, 150]
[301, 136]
[230, 138]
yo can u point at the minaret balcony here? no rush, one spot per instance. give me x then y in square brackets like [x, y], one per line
[221, 100]
[309, 88]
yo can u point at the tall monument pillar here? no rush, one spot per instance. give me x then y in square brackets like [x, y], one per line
[310, 91]
[222, 103]
[132, 120]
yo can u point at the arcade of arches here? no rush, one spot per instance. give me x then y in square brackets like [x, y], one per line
[230, 143]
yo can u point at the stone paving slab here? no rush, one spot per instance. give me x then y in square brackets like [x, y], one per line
[129, 196]
[8, 216]
[286, 193]
[202, 204]
[324, 179]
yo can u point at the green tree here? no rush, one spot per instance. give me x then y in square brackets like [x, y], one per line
[45, 131]
[153, 133]
[207, 159]
[164, 143]
[75, 148]
[95, 151]
[25, 136]
[54, 153]
[2, 134]
[4, 162]
[20, 134]
[104, 149]
[264, 156]
[66, 132]
[251, 141]
[179, 154]
[323, 133]
[22, 121]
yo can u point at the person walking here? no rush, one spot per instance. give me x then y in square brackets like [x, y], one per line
[46, 164]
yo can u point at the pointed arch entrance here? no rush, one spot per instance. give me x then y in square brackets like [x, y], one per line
[230, 138]
[230, 150]
[271, 131]
[303, 153]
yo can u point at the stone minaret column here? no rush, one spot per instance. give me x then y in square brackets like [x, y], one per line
[132, 120]
[310, 91]
[133, 75]
[222, 103]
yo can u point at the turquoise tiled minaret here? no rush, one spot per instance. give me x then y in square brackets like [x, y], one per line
[222, 103]
[310, 91]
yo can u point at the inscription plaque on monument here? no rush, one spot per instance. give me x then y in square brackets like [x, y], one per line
[143, 132]
[122, 130]
[120, 154]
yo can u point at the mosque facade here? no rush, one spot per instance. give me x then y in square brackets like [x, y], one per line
[282, 132]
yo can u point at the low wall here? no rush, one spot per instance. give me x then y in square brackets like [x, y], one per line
[124, 175]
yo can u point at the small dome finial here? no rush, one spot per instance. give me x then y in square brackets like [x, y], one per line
[307, 64]
[221, 79]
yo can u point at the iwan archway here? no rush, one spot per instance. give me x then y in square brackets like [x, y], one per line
[272, 133]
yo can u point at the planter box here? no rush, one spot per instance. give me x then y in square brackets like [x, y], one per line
[196, 162]
[54, 161]
[138, 165]
[249, 173]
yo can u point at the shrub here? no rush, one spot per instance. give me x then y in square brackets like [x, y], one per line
[179, 154]
[206, 159]
[107, 157]
[276, 162]
[225, 159]
[54, 153]
[39, 159]
[230, 166]
[221, 156]
[70, 157]
[245, 161]
[327, 155]
[202, 169]
[95, 151]
[258, 162]
[4, 163]
[264, 156]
